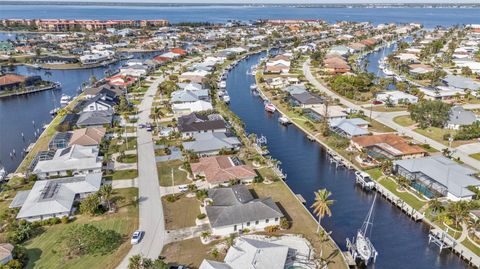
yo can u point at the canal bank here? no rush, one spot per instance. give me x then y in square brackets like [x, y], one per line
[22, 117]
[308, 168]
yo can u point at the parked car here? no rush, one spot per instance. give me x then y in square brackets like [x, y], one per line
[141, 126]
[136, 237]
[183, 188]
[149, 128]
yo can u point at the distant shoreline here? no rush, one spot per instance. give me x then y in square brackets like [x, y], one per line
[300, 5]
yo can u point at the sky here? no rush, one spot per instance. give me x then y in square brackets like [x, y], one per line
[267, 1]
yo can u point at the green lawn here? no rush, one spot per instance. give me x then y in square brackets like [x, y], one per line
[128, 158]
[404, 120]
[122, 174]
[405, 196]
[165, 173]
[435, 133]
[375, 173]
[43, 251]
[471, 246]
[476, 156]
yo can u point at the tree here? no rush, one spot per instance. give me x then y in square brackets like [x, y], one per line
[90, 204]
[466, 71]
[321, 206]
[106, 192]
[458, 211]
[435, 205]
[430, 113]
[87, 239]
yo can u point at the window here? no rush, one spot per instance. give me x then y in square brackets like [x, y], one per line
[267, 220]
[248, 223]
[235, 227]
[256, 222]
[276, 219]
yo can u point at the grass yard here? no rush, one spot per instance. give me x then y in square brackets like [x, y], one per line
[375, 173]
[190, 252]
[128, 158]
[404, 120]
[181, 213]
[471, 246]
[378, 127]
[165, 173]
[44, 254]
[476, 156]
[436, 134]
[383, 108]
[122, 174]
[405, 196]
[301, 220]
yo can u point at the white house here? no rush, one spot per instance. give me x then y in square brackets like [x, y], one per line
[55, 197]
[77, 159]
[187, 108]
[233, 209]
[396, 97]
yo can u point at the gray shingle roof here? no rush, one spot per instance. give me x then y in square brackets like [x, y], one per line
[459, 116]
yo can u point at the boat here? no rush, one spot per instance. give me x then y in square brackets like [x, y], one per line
[269, 107]
[361, 247]
[253, 87]
[3, 173]
[65, 99]
[222, 84]
[284, 120]
[54, 111]
[226, 98]
[388, 72]
[364, 180]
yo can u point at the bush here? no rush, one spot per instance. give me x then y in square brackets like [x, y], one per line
[64, 220]
[84, 239]
[284, 224]
[172, 198]
[54, 221]
[272, 228]
[201, 216]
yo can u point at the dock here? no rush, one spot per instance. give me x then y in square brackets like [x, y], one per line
[399, 203]
[301, 199]
[445, 241]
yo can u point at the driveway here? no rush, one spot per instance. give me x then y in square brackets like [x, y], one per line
[386, 118]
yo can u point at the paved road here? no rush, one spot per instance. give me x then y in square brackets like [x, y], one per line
[387, 119]
[150, 203]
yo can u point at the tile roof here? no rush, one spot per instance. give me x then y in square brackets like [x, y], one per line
[397, 144]
[220, 169]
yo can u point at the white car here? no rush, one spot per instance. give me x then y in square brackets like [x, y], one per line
[136, 237]
[183, 188]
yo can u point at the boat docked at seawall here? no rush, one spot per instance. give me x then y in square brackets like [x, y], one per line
[65, 99]
[284, 120]
[269, 107]
[364, 180]
[253, 87]
[3, 173]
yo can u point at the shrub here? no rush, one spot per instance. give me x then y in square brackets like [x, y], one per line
[84, 239]
[64, 219]
[284, 224]
[201, 216]
[54, 221]
[272, 228]
[172, 198]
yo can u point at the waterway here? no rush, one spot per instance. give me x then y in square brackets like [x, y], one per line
[28, 113]
[430, 17]
[401, 243]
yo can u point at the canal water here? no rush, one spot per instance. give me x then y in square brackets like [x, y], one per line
[28, 113]
[401, 243]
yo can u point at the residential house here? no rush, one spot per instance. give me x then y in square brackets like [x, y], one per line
[55, 197]
[60, 140]
[349, 127]
[295, 89]
[101, 102]
[195, 123]
[6, 250]
[436, 176]
[76, 159]
[230, 210]
[95, 118]
[322, 111]
[387, 146]
[305, 100]
[459, 117]
[220, 170]
[189, 96]
[196, 76]
[446, 94]
[87, 136]
[10, 82]
[396, 98]
[206, 144]
[182, 109]
[109, 90]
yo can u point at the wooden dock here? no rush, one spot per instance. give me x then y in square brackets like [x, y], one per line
[443, 240]
[399, 203]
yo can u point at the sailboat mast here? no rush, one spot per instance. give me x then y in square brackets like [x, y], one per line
[367, 221]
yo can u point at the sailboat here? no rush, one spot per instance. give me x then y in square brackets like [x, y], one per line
[361, 247]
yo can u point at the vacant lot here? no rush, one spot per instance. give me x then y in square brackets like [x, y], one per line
[181, 213]
[165, 170]
[44, 253]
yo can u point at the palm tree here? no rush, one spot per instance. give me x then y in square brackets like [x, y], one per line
[435, 205]
[106, 192]
[321, 206]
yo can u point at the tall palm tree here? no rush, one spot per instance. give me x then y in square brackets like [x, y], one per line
[321, 206]
[435, 205]
[106, 192]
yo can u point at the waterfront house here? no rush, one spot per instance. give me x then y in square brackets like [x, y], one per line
[55, 197]
[461, 82]
[295, 89]
[206, 144]
[87, 136]
[446, 94]
[111, 92]
[232, 209]
[6, 47]
[387, 146]
[396, 98]
[182, 109]
[305, 100]
[459, 117]
[340, 50]
[321, 112]
[95, 118]
[55, 59]
[335, 64]
[10, 82]
[75, 159]
[349, 127]
[195, 123]
[196, 76]
[6, 250]
[60, 140]
[100, 102]
[189, 96]
[221, 170]
[138, 70]
[121, 80]
[438, 176]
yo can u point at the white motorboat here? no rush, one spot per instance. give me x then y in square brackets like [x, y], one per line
[253, 87]
[222, 84]
[364, 180]
[65, 99]
[269, 107]
[3, 173]
[226, 98]
[284, 120]
[388, 72]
